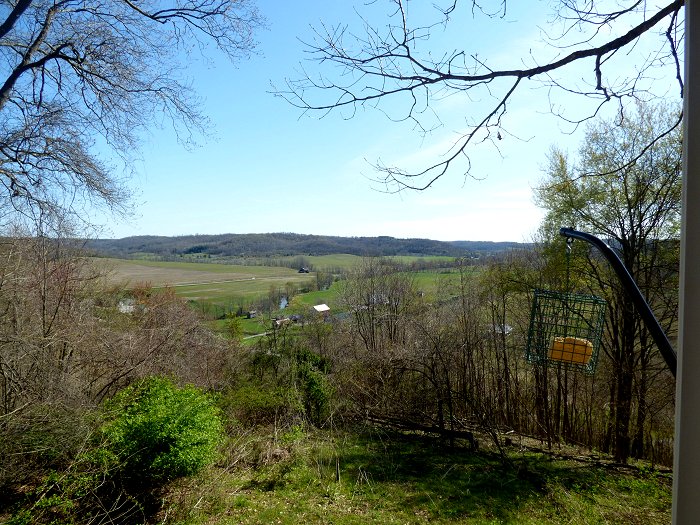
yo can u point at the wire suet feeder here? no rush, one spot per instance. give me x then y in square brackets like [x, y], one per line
[541, 332]
[565, 328]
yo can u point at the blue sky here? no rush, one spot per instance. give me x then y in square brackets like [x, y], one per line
[268, 168]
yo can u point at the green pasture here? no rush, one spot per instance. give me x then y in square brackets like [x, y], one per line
[217, 283]
[343, 261]
[434, 285]
[408, 259]
[249, 327]
[431, 282]
[310, 299]
[227, 291]
[124, 265]
[228, 286]
[346, 262]
[338, 261]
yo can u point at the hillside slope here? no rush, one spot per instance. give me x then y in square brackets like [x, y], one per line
[284, 244]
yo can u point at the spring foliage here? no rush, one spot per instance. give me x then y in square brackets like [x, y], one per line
[161, 432]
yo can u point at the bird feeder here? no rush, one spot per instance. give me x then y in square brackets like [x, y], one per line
[565, 330]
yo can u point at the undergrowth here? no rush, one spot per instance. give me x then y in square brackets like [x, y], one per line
[343, 478]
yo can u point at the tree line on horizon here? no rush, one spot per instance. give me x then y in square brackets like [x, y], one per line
[289, 244]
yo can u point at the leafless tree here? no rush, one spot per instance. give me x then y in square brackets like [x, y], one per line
[402, 65]
[379, 297]
[82, 78]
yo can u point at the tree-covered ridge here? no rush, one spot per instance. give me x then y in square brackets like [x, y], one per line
[264, 244]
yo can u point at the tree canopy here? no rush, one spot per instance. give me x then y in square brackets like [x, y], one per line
[82, 80]
[625, 182]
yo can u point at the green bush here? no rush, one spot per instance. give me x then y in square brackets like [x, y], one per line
[260, 404]
[317, 392]
[161, 432]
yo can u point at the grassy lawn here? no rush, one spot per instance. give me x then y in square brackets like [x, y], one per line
[249, 327]
[343, 261]
[310, 299]
[408, 259]
[224, 292]
[395, 479]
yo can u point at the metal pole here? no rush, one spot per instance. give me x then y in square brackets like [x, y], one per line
[650, 321]
[686, 457]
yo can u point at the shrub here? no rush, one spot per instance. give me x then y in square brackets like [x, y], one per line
[36, 440]
[260, 404]
[317, 392]
[82, 492]
[161, 432]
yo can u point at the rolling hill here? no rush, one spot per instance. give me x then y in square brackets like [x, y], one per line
[286, 244]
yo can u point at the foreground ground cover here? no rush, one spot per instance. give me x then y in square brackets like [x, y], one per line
[408, 479]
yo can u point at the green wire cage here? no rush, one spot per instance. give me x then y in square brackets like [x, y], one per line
[565, 330]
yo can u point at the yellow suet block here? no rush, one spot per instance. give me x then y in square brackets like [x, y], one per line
[571, 350]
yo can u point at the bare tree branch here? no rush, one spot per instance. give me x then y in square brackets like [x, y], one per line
[76, 73]
[373, 67]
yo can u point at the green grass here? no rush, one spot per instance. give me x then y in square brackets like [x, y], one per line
[348, 262]
[226, 286]
[344, 261]
[310, 299]
[253, 270]
[408, 259]
[230, 291]
[222, 284]
[399, 479]
[341, 261]
[249, 327]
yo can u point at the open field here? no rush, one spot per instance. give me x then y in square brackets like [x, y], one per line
[224, 291]
[225, 287]
[346, 262]
[217, 283]
[222, 283]
[340, 260]
[161, 273]
[329, 297]
[333, 262]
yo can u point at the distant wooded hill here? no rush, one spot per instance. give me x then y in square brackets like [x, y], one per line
[284, 244]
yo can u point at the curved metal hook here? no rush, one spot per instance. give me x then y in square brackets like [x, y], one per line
[650, 321]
